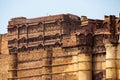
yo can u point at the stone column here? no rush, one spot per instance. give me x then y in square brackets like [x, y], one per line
[12, 67]
[85, 63]
[110, 61]
[118, 59]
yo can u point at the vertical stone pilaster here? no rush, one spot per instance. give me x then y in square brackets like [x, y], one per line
[47, 62]
[110, 61]
[12, 67]
[85, 65]
[118, 59]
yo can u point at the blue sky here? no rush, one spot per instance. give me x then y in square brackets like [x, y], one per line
[35, 8]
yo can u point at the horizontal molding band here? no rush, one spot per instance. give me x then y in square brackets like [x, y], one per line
[71, 63]
[99, 70]
[111, 59]
[49, 74]
[111, 79]
[47, 58]
[50, 58]
[117, 58]
[103, 53]
[110, 67]
[98, 61]
[29, 61]
[51, 66]
[25, 69]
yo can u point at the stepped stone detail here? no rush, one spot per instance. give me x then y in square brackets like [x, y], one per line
[61, 47]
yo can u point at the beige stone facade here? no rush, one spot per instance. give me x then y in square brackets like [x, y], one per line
[3, 44]
[61, 47]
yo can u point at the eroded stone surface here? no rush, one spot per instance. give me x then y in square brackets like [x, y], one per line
[60, 47]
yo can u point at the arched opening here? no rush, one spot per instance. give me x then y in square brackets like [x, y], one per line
[15, 28]
[40, 24]
[30, 40]
[106, 36]
[40, 27]
[40, 37]
[58, 22]
[30, 48]
[57, 35]
[40, 46]
[105, 25]
[12, 41]
[82, 39]
[89, 39]
[23, 49]
[22, 29]
[12, 29]
[99, 25]
[23, 40]
[98, 39]
[13, 50]
[15, 40]
[57, 44]
[30, 29]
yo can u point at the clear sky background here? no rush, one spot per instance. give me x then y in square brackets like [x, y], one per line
[35, 8]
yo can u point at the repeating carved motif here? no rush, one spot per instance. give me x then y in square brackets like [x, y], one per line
[49, 48]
